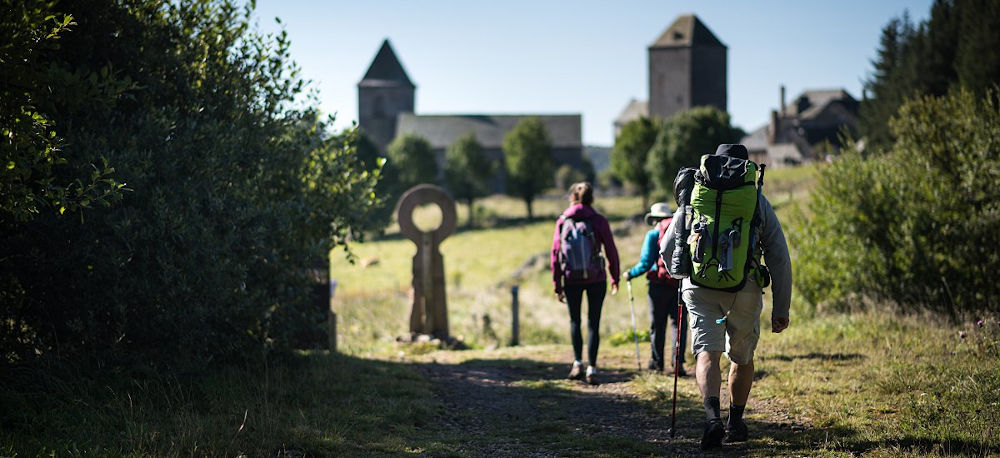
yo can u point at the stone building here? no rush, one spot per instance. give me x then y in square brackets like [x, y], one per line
[386, 109]
[806, 129]
[687, 68]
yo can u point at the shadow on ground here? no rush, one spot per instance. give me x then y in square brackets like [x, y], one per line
[524, 407]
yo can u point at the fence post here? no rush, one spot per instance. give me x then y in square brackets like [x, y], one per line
[514, 325]
[331, 320]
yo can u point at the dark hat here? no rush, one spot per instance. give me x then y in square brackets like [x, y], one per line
[732, 150]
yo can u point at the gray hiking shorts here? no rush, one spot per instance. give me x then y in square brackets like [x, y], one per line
[738, 335]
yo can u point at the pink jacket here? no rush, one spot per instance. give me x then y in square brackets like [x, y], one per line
[604, 238]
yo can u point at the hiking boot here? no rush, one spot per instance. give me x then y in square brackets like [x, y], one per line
[714, 432]
[680, 371]
[576, 373]
[655, 366]
[736, 432]
[592, 376]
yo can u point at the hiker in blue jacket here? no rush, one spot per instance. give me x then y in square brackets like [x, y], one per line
[662, 291]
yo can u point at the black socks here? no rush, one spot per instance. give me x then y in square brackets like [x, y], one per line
[736, 413]
[712, 408]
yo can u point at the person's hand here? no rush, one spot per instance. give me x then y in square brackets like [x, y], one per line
[561, 296]
[614, 289]
[778, 324]
[625, 276]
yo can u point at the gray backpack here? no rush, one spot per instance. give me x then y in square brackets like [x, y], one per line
[578, 252]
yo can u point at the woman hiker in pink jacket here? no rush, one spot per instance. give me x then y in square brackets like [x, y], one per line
[578, 267]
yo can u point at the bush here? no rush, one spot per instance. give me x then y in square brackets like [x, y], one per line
[916, 225]
[236, 190]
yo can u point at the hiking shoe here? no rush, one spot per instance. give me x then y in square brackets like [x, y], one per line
[714, 432]
[736, 432]
[576, 373]
[680, 371]
[592, 376]
[655, 366]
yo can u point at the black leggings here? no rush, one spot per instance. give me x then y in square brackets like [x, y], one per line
[663, 304]
[595, 299]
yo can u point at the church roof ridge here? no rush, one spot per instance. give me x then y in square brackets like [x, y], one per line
[687, 30]
[385, 69]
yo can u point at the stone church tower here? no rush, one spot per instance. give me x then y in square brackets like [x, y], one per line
[384, 93]
[687, 68]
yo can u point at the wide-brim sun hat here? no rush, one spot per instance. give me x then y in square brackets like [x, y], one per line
[658, 211]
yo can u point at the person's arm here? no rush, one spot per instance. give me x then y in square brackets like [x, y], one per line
[778, 263]
[608, 240]
[647, 258]
[554, 260]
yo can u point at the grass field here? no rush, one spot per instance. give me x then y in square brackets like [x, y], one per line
[831, 385]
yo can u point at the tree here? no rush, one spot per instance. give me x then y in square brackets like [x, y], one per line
[628, 156]
[238, 189]
[683, 139]
[411, 161]
[956, 45]
[528, 153]
[467, 171]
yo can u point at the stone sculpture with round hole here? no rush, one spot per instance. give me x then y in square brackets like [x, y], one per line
[430, 310]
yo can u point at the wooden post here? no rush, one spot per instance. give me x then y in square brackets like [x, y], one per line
[331, 320]
[514, 325]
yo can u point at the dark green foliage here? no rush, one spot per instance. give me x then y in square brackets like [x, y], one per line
[529, 160]
[631, 150]
[36, 174]
[916, 225]
[236, 190]
[683, 139]
[958, 44]
[566, 176]
[467, 171]
[410, 161]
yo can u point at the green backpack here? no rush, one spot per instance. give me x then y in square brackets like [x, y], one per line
[724, 221]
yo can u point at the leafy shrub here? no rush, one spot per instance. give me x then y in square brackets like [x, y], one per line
[915, 225]
[236, 190]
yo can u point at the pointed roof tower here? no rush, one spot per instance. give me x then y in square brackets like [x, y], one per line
[686, 31]
[386, 70]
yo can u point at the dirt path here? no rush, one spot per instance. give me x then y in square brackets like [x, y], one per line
[525, 407]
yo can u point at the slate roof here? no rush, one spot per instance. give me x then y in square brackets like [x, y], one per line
[814, 101]
[634, 110]
[756, 140]
[385, 70]
[441, 130]
[686, 31]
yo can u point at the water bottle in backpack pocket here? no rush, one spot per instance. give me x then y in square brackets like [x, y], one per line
[579, 256]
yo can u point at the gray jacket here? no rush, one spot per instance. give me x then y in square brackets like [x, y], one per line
[775, 252]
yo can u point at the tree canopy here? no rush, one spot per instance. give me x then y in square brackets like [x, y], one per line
[682, 140]
[468, 171]
[529, 161]
[630, 153]
[411, 161]
[957, 45]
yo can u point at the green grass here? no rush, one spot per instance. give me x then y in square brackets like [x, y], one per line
[316, 404]
[836, 385]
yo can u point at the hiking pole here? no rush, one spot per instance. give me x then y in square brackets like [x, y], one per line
[677, 358]
[635, 334]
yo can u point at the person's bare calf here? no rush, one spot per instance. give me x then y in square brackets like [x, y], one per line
[709, 378]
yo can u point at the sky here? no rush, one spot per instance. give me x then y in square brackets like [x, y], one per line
[586, 57]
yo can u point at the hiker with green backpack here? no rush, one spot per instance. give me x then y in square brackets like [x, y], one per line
[662, 292]
[722, 228]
